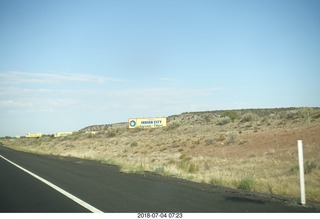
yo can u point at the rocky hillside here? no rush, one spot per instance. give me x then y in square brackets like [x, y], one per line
[288, 115]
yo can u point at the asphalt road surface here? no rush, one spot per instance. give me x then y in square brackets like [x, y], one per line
[106, 189]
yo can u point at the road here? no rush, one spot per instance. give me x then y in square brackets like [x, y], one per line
[109, 190]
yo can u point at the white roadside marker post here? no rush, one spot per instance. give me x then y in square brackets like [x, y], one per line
[301, 170]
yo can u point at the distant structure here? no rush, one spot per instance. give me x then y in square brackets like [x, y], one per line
[34, 135]
[62, 134]
[91, 132]
[147, 122]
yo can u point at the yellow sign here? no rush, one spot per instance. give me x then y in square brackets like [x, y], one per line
[147, 122]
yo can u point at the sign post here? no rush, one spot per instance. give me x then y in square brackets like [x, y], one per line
[301, 170]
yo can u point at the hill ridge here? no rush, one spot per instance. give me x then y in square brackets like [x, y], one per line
[207, 116]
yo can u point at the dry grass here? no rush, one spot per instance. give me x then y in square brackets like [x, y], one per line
[253, 150]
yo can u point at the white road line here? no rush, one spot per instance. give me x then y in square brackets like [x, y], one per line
[72, 197]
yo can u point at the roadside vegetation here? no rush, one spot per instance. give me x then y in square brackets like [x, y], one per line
[254, 150]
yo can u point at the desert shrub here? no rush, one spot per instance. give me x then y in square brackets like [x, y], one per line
[186, 165]
[207, 118]
[217, 182]
[292, 114]
[192, 168]
[209, 142]
[185, 157]
[139, 169]
[88, 136]
[265, 120]
[70, 145]
[173, 126]
[248, 117]
[231, 114]
[74, 136]
[223, 121]
[310, 166]
[111, 133]
[221, 137]
[316, 116]
[246, 184]
[294, 168]
[231, 138]
[197, 142]
[270, 188]
[137, 129]
[274, 116]
[159, 169]
[134, 144]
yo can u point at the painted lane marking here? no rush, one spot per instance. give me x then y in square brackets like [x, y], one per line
[65, 193]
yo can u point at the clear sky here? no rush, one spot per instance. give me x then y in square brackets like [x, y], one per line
[67, 64]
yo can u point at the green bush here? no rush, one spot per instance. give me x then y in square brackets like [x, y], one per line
[246, 184]
[231, 114]
[186, 165]
[192, 168]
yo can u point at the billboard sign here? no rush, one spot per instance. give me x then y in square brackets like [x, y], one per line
[147, 122]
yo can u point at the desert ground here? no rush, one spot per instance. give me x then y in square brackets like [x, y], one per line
[252, 149]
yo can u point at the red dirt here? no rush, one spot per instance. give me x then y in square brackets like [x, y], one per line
[267, 142]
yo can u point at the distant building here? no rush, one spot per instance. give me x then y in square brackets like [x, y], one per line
[91, 132]
[62, 134]
[34, 135]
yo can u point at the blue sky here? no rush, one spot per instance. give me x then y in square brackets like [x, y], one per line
[67, 64]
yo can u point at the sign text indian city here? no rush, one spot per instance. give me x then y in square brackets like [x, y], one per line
[147, 122]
